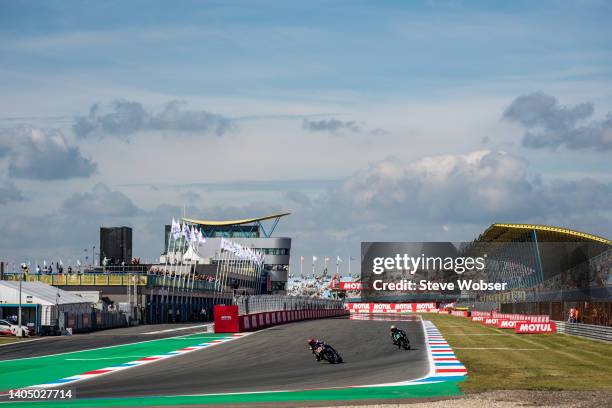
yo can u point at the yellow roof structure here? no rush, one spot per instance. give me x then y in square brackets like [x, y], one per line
[233, 222]
[507, 232]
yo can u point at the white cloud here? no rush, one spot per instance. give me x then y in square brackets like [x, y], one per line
[43, 154]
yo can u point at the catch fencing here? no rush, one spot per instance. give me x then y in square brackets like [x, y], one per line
[273, 303]
[589, 331]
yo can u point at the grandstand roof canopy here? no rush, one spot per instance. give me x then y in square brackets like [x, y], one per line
[510, 232]
[234, 222]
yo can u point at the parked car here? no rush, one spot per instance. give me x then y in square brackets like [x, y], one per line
[7, 328]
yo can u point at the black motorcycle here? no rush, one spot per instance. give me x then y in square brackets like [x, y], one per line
[401, 340]
[328, 353]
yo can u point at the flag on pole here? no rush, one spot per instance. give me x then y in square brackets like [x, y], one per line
[193, 237]
[175, 229]
[338, 260]
[201, 239]
[314, 259]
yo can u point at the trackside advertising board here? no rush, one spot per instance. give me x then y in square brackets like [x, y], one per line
[391, 307]
[460, 313]
[490, 321]
[356, 286]
[535, 328]
[508, 324]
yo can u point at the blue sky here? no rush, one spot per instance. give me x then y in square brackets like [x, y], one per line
[291, 105]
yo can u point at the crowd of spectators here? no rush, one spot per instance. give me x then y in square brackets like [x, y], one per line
[317, 287]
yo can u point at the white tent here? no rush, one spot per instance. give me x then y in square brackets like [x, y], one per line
[46, 296]
[192, 255]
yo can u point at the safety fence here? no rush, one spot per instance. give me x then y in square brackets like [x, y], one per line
[258, 321]
[273, 303]
[585, 330]
[95, 320]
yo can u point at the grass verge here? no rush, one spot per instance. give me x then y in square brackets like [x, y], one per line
[499, 359]
[10, 339]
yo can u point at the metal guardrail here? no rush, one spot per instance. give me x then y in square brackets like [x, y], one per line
[585, 330]
[113, 279]
[92, 279]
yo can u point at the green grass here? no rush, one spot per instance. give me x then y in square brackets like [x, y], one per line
[11, 339]
[559, 362]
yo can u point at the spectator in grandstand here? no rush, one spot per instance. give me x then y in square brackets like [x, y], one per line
[577, 316]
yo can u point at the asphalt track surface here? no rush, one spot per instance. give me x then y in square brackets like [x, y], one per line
[275, 359]
[114, 337]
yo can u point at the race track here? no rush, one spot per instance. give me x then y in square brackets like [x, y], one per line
[106, 338]
[275, 359]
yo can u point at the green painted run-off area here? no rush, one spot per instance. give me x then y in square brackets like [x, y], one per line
[41, 370]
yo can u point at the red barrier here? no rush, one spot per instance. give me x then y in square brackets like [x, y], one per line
[460, 313]
[226, 319]
[480, 314]
[535, 328]
[258, 321]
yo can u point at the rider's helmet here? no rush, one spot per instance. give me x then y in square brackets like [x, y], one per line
[393, 328]
[311, 341]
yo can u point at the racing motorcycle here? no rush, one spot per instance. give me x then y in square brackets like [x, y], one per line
[328, 353]
[401, 340]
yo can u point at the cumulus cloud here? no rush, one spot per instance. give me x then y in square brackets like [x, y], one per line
[126, 118]
[100, 201]
[42, 154]
[479, 187]
[63, 232]
[331, 125]
[10, 192]
[549, 124]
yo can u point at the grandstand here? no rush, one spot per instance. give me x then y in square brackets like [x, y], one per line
[549, 270]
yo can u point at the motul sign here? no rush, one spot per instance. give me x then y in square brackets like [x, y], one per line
[508, 324]
[351, 286]
[391, 307]
[535, 328]
[490, 321]
[477, 318]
